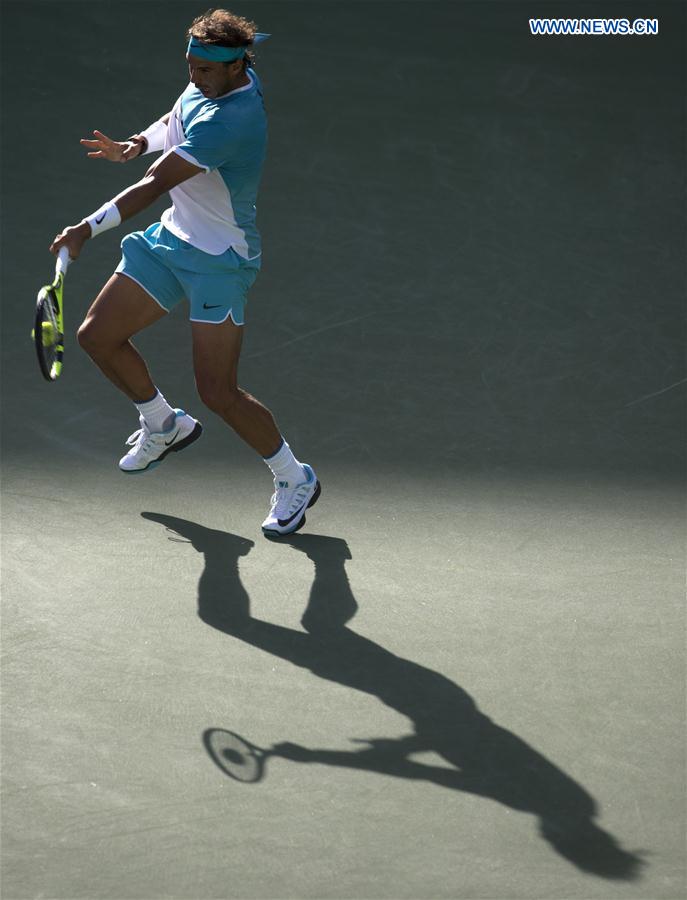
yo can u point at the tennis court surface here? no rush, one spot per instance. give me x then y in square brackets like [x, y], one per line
[465, 677]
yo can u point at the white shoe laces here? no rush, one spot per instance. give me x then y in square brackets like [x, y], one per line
[141, 439]
[286, 501]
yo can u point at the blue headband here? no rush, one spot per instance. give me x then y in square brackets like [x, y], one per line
[220, 54]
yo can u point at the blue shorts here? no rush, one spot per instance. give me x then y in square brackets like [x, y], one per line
[170, 269]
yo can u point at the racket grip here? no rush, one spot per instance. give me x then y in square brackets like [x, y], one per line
[62, 261]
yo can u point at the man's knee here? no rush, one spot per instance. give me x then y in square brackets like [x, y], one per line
[222, 399]
[96, 339]
[89, 337]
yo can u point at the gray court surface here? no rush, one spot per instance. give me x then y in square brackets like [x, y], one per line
[467, 671]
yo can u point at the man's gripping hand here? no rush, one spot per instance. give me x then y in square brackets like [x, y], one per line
[73, 237]
[103, 147]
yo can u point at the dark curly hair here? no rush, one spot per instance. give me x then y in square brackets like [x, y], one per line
[225, 29]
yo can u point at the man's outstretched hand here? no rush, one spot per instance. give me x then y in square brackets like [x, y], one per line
[103, 147]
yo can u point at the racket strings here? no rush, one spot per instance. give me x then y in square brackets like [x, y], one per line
[49, 333]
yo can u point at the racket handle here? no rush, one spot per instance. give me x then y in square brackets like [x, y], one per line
[62, 261]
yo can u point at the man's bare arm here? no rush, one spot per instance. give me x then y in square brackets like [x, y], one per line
[165, 173]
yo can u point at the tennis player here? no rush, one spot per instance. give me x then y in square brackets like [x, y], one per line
[206, 248]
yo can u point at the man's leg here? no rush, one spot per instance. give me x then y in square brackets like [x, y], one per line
[121, 310]
[216, 351]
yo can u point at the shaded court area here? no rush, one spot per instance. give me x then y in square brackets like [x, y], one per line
[465, 677]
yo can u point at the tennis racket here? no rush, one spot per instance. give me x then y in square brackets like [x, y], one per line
[48, 328]
[236, 756]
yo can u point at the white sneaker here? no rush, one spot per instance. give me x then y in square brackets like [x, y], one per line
[149, 448]
[287, 513]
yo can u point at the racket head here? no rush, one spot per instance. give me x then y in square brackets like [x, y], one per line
[234, 755]
[48, 333]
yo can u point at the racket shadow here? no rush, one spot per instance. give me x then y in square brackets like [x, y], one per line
[234, 755]
[483, 758]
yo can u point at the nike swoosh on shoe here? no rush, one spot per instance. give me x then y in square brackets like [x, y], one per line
[308, 502]
[167, 443]
[283, 522]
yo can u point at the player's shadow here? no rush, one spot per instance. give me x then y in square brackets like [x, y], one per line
[484, 758]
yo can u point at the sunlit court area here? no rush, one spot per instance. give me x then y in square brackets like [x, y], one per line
[464, 676]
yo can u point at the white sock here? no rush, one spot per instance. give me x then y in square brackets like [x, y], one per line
[157, 413]
[287, 471]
